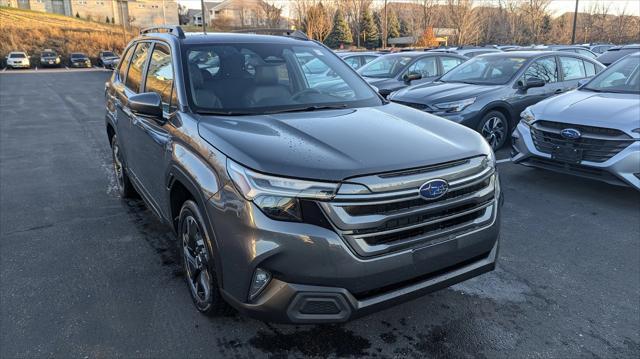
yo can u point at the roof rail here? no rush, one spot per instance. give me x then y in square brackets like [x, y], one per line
[280, 32]
[173, 30]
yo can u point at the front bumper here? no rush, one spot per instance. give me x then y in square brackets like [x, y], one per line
[318, 278]
[21, 65]
[622, 169]
[81, 64]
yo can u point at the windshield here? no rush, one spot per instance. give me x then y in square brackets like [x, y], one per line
[621, 77]
[485, 70]
[17, 56]
[48, 54]
[385, 66]
[77, 56]
[258, 78]
[108, 54]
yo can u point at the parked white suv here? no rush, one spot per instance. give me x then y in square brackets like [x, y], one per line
[18, 59]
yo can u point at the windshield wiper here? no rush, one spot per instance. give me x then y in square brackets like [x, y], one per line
[308, 108]
[224, 113]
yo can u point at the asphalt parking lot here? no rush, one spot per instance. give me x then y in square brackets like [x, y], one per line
[85, 274]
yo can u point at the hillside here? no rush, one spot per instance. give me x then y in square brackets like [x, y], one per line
[31, 31]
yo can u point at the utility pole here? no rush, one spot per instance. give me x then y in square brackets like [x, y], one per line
[124, 28]
[164, 16]
[386, 27]
[575, 19]
[204, 26]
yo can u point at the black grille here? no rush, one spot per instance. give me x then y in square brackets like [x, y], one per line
[609, 142]
[320, 307]
[418, 106]
[392, 207]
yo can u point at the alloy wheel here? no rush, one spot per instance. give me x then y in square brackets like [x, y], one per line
[196, 262]
[494, 131]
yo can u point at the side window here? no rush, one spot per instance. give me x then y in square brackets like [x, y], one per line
[368, 59]
[545, 69]
[426, 67]
[572, 68]
[160, 74]
[354, 62]
[449, 62]
[134, 76]
[124, 64]
[590, 69]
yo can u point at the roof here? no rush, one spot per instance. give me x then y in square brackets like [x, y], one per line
[522, 53]
[226, 37]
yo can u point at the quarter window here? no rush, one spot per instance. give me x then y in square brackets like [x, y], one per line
[160, 74]
[134, 76]
[545, 69]
[590, 69]
[572, 68]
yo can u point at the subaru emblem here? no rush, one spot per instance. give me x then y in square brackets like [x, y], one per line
[434, 189]
[570, 134]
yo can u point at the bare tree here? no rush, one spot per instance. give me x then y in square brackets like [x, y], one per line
[354, 9]
[463, 19]
[270, 14]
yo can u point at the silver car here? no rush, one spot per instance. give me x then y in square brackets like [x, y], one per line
[592, 132]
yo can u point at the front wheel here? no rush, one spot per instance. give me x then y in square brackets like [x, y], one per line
[494, 127]
[197, 261]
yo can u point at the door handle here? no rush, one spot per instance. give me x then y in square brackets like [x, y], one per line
[558, 91]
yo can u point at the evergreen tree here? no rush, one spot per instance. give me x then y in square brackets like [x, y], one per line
[370, 33]
[113, 21]
[77, 14]
[404, 28]
[379, 21]
[393, 26]
[107, 20]
[340, 34]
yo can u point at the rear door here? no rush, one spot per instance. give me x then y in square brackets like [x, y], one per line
[574, 69]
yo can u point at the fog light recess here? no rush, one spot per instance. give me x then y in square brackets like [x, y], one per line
[259, 281]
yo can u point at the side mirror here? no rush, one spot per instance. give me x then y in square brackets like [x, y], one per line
[583, 82]
[410, 76]
[531, 82]
[384, 92]
[147, 104]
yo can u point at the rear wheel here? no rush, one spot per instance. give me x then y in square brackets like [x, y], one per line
[124, 184]
[197, 261]
[494, 127]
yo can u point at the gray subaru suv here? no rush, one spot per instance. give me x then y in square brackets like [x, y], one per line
[291, 202]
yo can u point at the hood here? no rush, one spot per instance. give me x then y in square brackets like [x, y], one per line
[333, 145]
[437, 92]
[612, 110]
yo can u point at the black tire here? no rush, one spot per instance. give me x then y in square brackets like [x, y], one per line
[494, 127]
[120, 170]
[198, 262]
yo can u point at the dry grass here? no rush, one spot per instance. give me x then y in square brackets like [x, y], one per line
[32, 32]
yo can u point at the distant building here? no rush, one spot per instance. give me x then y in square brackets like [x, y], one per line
[140, 13]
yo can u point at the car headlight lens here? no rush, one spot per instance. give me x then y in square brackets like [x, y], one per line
[527, 116]
[456, 106]
[278, 197]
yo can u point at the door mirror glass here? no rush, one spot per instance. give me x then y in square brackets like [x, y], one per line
[530, 82]
[410, 76]
[147, 104]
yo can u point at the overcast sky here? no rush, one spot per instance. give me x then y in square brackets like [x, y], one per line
[557, 7]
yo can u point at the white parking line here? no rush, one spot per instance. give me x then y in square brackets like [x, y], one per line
[5, 69]
[36, 68]
[504, 160]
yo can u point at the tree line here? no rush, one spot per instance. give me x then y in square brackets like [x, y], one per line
[370, 24]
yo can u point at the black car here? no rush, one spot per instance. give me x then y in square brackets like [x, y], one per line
[49, 58]
[393, 72]
[108, 59]
[78, 59]
[616, 53]
[488, 92]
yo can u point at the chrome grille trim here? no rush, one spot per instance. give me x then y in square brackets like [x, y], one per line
[393, 216]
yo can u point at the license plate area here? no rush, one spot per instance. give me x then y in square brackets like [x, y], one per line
[566, 154]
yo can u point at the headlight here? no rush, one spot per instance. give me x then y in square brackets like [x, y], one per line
[527, 116]
[278, 197]
[455, 106]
